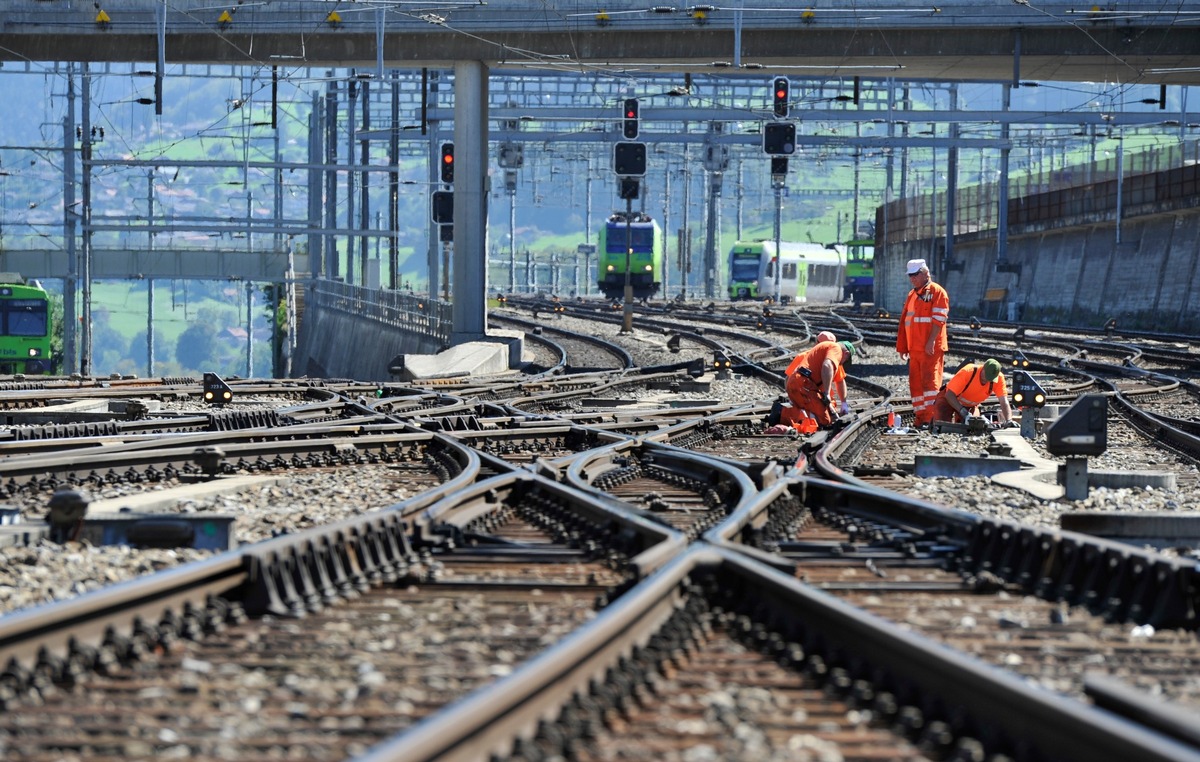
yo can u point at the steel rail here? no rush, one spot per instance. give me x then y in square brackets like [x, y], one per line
[1108, 578]
[622, 354]
[455, 462]
[284, 576]
[647, 545]
[728, 484]
[972, 699]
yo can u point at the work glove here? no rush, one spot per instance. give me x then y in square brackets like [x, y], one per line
[1010, 425]
[904, 356]
[824, 399]
[844, 409]
[967, 419]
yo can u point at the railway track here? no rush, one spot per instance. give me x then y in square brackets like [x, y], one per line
[596, 564]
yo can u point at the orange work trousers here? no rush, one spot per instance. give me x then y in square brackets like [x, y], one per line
[924, 381]
[804, 394]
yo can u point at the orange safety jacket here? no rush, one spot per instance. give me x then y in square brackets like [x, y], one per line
[813, 359]
[802, 358]
[926, 309]
[970, 388]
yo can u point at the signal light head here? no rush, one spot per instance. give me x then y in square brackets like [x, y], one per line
[216, 391]
[631, 113]
[447, 169]
[1026, 392]
[780, 88]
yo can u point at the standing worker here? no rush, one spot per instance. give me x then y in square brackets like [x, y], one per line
[921, 338]
[820, 372]
[968, 389]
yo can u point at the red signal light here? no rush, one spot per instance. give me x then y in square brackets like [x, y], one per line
[447, 162]
[780, 101]
[629, 127]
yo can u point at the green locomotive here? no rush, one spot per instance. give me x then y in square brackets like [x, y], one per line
[643, 238]
[25, 327]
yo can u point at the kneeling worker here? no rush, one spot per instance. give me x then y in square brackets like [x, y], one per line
[820, 372]
[968, 389]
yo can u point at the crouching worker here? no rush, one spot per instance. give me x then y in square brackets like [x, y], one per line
[819, 373]
[970, 387]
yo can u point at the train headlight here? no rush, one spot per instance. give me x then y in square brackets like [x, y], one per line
[35, 352]
[649, 268]
[610, 268]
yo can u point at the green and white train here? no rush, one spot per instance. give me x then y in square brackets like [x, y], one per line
[804, 272]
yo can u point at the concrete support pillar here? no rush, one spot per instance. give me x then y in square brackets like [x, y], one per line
[1029, 417]
[469, 309]
[1073, 476]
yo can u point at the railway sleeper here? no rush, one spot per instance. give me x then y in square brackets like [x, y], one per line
[1110, 580]
[711, 604]
[308, 574]
[64, 669]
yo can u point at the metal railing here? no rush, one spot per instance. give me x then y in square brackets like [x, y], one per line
[1160, 174]
[420, 315]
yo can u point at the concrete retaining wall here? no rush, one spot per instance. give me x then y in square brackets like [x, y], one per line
[333, 344]
[1080, 274]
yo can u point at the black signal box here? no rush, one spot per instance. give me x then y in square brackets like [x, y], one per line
[443, 207]
[630, 187]
[447, 165]
[629, 159]
[1082, 429]
[216, 391]
[1025, 391]
[779, 95]
[779, 138]
[630, 122]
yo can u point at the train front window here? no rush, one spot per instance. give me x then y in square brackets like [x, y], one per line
[860, 253]
[24, 317]
[744, 269]
[641, 238]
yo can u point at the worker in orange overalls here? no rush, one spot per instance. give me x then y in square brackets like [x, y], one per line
[819, 373]
[968, 389]
[795, 363]
[921, 338]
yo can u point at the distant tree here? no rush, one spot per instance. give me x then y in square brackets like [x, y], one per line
[197, 345]
[136, 354]
[107, 342]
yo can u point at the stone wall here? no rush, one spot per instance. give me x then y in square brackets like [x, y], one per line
[1079, 274]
